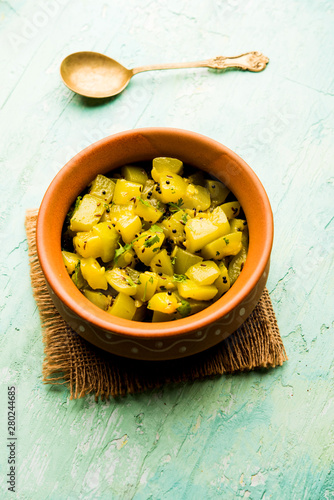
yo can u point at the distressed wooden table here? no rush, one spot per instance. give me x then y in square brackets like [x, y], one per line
[261, 435]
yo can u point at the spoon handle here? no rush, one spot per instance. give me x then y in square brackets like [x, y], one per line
[251, 61]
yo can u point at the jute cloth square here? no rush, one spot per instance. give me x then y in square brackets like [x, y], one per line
[84, 368]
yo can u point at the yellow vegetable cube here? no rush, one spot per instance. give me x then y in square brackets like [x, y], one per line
[165, 165]
[103, 187]
[93, 273]
[196, 197]
[118, 211]
[222, 282]
[135, 174]
[147, 211]
[165, 302]
[171, 188]
[147, 286]
[199, 232]
[120, 281]
[218, 217]
[98, 298]
[190, 289]
[147, 244]
[108, 238]
[165, 282]
[123, 307]
[174, 226]
[237, 225]
[101, 241]
[88, 213]
[226, 245]
[204, 273]
[231, 209]
[126, 192]
[71, 260]
[161, 263]
[128, 227]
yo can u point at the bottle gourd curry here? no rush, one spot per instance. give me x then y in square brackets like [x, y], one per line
[154, 244]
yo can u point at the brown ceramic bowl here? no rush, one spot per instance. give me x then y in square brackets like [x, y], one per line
[156, 341]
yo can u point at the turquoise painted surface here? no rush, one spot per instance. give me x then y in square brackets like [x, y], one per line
[259, 435]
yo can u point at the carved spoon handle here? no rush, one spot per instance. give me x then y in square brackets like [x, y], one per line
[251, 61]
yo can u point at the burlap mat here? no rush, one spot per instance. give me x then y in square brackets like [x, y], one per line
[71, 360]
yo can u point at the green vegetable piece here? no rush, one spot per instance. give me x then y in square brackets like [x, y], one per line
[218, 192]
[184, 260]
[236, 265]
[196, 197]
[88, 213]
[103, 187]
[135, 174]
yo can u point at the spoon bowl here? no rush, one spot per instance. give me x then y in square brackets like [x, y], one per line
[92, 74]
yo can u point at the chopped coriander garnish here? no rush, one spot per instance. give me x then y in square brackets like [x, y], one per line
[175, 207]
[179, 278]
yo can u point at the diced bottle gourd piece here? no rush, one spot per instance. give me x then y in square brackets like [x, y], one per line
[165, 282]
[170, 189]
[183, 260]
[109, 240]
[97, 298]
[204, 273]
[147, 211]
[147, 244]
[78, 278]
[71, 260]
[135, 174]
[165, 165]
[103, 187]
[147, 286]
[165, 302]
[218, 192]
[190, 289]
[223, 246]
[161, 263]
[123, 307]
[196, 197]
[231, 209]
[118, 211]
[126, 192]
[120, 281]
[88, 213]
[101, 241]
[174, 226]
[87, 244]
[218, 217]
[222, 282]
[199, 232]
[128, 227]
[236, 265]
[93, 273]
[148, 188]
[237, 225]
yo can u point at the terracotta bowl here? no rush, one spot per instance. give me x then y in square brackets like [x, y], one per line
[156, 341]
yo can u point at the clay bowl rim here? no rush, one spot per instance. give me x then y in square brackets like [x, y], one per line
[49, 249]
